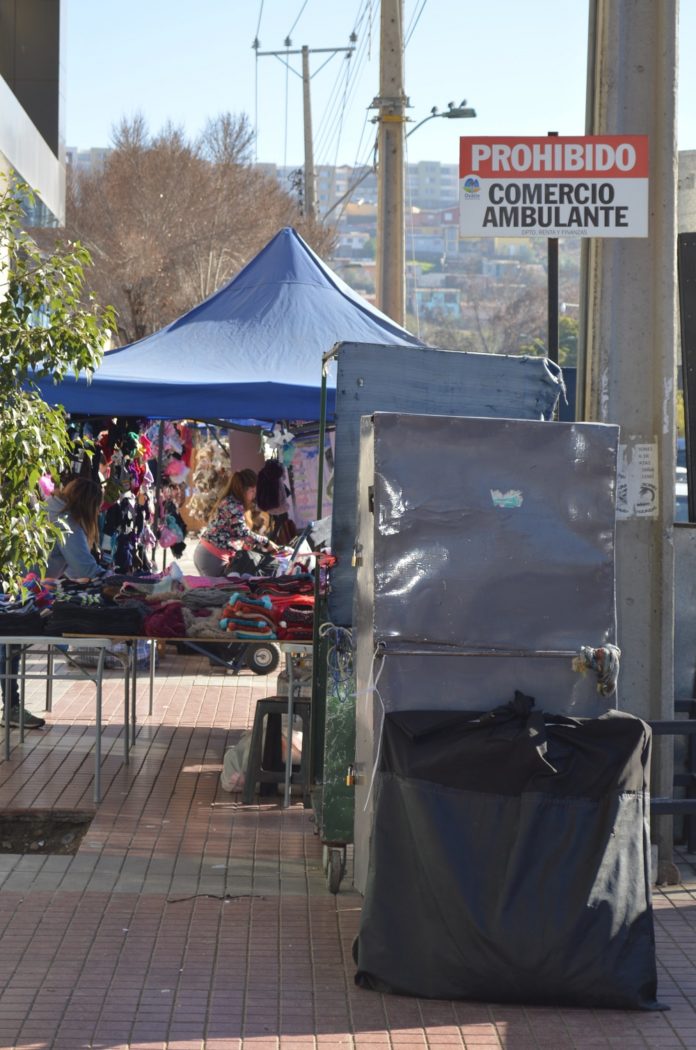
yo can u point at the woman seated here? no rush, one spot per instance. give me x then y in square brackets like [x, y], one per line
[227, 532]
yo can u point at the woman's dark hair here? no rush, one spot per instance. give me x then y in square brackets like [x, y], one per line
[83, 498]
[237, 484]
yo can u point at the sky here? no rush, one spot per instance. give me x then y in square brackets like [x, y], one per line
[520, 65]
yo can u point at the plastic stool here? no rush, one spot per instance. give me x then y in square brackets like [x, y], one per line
[274, 707]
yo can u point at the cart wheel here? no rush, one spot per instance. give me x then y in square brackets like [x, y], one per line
[336, 869]
[263, 659]
[325, 858]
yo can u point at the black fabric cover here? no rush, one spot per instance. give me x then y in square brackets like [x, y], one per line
[510, 860]
[27, 623]
[124, 619]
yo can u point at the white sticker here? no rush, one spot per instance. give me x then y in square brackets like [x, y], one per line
[636, 481]
[509, 499]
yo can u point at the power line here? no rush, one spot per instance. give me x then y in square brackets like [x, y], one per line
[413, 23]
[309, 194]
[350, 87]
[258, 25]
[331, 118]
[299, 16]
[351, 80]
[256, 45]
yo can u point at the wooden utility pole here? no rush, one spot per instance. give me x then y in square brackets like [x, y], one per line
[310, 190]
[391, 105]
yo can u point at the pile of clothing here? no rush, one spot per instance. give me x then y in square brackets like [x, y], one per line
[165, 606]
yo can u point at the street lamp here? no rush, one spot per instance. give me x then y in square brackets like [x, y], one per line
[452, 112]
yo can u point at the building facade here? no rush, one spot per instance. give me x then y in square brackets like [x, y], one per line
[31, 104]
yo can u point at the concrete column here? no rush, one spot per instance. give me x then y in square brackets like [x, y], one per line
[630, 368]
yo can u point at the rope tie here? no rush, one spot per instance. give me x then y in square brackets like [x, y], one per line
[604, 661]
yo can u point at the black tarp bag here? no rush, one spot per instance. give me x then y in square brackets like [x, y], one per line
[510, 860]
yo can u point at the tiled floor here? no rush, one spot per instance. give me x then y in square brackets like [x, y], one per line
[188, 921]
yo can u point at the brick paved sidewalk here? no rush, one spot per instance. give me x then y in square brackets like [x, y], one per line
[188, 921]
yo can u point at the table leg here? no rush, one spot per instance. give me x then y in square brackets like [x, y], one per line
[97, 741]
[22, 690]
[7, 686]
[49, 679]
[288, 742]
[153, 660]
[134, 658]
[126, 711]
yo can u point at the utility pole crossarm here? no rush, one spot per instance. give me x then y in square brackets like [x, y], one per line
[312, 50]
[310, 192]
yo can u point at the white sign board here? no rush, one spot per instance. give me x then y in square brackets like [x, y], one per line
[586, 186]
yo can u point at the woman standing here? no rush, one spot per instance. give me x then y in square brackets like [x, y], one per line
[76, 508]
[227, 532]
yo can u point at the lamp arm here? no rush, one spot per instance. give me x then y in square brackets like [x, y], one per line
[431, 116]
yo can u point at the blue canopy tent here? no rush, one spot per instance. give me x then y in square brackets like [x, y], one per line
[252, 349]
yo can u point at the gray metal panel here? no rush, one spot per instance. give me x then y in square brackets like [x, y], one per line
[494, 533]
[684, 611]
[478, 683]
[443, 566]
[413, 379]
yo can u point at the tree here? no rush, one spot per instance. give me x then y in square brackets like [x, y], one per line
[169, 220]
[567, 342]
[46, 328]
[444, 332]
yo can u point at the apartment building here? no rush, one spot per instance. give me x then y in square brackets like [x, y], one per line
[31, 103]
[429, 184]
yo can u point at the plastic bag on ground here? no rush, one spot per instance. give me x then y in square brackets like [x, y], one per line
[234, 764]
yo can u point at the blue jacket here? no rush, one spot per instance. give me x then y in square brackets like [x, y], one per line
[71, 556]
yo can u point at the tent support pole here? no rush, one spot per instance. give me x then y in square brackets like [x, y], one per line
[318, 719]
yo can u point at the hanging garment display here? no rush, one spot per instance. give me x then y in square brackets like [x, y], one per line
[127, 540]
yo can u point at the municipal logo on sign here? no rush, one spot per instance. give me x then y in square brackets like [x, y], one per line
[589, 186]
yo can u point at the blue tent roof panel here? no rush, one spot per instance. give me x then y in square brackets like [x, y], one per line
[253, 348]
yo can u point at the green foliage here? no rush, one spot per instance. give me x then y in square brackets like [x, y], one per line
[567, 343]
[46, 330]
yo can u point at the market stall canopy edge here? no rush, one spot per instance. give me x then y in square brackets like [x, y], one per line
[252, 349]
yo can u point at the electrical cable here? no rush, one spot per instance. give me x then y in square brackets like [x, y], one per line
[255, 46]
[328, 119]
[413, 23]
[296, 20]
[339, 656]
[343, 113]
[258, 24]
[378, 753]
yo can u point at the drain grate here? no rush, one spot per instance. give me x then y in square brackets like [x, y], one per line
[43, 830]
